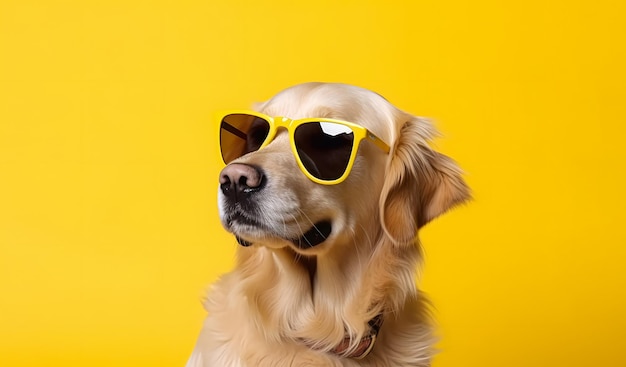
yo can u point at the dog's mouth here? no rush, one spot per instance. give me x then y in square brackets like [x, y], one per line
[314, 236]
[318, 233]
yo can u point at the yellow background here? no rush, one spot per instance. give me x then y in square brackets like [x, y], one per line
[108, 165]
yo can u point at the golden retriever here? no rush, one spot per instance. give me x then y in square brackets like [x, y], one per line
[325, 274]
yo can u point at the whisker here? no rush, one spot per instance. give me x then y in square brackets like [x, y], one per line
[298, 223]
[312, 224]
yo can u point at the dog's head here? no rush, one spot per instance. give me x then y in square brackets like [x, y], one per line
[265, 199]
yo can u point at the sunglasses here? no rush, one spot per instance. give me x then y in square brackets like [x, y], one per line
[325, 149]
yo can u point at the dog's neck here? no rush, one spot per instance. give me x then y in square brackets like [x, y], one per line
[317, 299]
[309, 263]
[347, 347]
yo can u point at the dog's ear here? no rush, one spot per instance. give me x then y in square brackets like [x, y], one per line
[420, 184]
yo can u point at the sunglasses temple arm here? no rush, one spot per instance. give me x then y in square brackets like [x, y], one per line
[233, 130]
[378, 142]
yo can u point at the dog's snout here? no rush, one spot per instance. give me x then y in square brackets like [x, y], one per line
[237, 178]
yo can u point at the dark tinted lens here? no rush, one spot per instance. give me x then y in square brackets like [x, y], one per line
[241, 134]
[324, 148]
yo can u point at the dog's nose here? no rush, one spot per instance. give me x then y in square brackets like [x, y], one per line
[238, 178]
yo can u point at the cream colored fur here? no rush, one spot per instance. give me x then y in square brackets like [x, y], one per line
[278, 296]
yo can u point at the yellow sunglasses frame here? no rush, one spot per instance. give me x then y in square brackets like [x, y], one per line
[360, 133]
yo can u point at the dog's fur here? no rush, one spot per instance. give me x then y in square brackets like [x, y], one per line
[286, 306]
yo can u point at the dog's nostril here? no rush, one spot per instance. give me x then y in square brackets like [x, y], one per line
[225, 184]
[224, 180]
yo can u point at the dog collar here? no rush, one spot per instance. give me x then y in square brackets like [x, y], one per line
[366, 344]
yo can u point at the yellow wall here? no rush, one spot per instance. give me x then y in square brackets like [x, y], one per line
[108, 165]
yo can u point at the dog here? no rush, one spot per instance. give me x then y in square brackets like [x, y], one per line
[325, 188]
